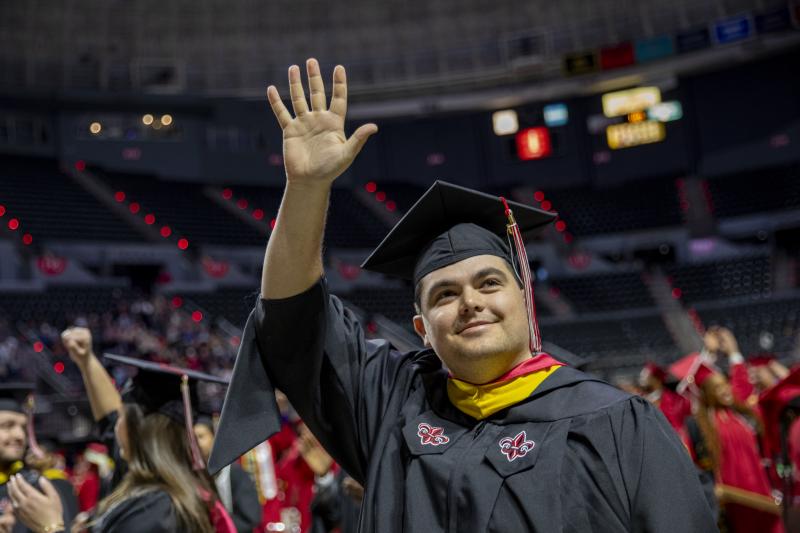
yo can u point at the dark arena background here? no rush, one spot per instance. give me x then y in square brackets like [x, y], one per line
[141, 171]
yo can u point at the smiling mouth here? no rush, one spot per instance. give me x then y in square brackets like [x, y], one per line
[474, 325]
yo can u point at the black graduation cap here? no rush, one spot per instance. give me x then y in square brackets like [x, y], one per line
[156, 387]
[166, 389]
[13, 396]
[450, 223]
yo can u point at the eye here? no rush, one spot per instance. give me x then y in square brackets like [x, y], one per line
[444, 295]
[491, 282]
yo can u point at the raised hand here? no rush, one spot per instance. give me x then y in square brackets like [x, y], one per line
[78, 342]
[315, 148]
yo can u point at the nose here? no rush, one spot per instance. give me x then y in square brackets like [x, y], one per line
[471, 301]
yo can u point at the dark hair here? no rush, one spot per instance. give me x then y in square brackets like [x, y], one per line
[159, 458]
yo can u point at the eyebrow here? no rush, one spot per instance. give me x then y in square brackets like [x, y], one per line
[483, 273]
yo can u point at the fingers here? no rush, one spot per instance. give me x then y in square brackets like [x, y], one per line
[296, 92]
[19, 489]
[359, 137]
[316, 86]
[281, 113]
[48, 488]
[339, 97]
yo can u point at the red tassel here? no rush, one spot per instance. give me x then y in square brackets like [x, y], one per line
[197, 458]
[527, 278]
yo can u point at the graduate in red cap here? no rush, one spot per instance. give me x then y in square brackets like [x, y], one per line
[479, 430]
[723, 437]
[653, 382]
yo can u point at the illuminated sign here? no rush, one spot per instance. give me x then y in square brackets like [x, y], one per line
[666, 111]
[627, 135]
[692, 40]
[556, 115]
[733, 29]
[533, 143]
[617, 56]
[505, 122]
[653, 48]
[575, 64]
[625, 102]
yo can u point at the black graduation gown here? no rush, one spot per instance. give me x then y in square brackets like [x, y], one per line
[246, 512]
[578, 456]
[66, 493]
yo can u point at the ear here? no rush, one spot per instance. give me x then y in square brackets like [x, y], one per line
[419, 327]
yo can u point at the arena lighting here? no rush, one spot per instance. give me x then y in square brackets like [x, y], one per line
[147, 119]
[258, 214]
[13, 224]
[561, 226]
[166, 120]
[272, 223]
[666, 111]
[505, 122]
[241, 203]
[546, 205]
[80, 165]
[38, 346]
[119, 196]
[58, 367]
[183, 243]
[166, 231]
[626, 135]
[2, 210]
[620, 103]
[371, 186]
[676, 293]
[637, 116]
[134, 207]
[556, 115]
[227, 194]
[197, 316]
[95, 128]
[177, 302]
[533, 143]
[380, 196]
[538, 196]
[27, 239]
[149, 219]
[391, 205]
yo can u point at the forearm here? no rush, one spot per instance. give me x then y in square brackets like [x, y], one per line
[103, 395]
[293, 260]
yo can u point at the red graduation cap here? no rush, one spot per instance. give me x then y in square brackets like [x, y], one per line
[773, 402]
[692, 369]
[656, 371]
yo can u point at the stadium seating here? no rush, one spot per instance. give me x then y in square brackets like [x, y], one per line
[185, 208]
[60, 306]
[778, 189]
[604, 292]
[50, 206]
[749, 276]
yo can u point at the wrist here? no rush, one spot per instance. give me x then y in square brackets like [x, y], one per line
[735, 358]
[52, 528]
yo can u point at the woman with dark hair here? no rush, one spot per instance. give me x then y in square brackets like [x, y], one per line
[159, 483]
[723, 440]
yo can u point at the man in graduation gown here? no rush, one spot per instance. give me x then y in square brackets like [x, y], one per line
[13, 444]
[479, 431]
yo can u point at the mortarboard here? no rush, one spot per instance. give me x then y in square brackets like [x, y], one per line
[691, 370]
[450, 223]
[652, 369]
[447, 224]
[165, 389]
[774, 403]
[14, 396]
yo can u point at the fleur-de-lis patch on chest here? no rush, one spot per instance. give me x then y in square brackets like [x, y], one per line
[517, 446]
[431, 435]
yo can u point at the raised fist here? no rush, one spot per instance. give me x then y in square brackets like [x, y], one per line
[78, 342]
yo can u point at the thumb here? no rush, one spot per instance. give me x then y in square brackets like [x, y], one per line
[359, 137]
[48, 488]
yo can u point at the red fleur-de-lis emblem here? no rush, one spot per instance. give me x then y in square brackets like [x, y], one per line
[431, 435]
[514, 447]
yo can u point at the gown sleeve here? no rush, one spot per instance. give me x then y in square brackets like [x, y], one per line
[246, 509]
[340, 383]
[105, 430]
[661, 483]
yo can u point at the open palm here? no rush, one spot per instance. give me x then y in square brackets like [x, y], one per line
[315, 148]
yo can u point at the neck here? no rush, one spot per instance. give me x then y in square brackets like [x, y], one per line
[482, 371]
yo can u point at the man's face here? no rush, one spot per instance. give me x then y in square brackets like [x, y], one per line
[474, 311]
[12, 436]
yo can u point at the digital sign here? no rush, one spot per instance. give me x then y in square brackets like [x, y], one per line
[628, 134]
[621, 103]
[533, 143]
